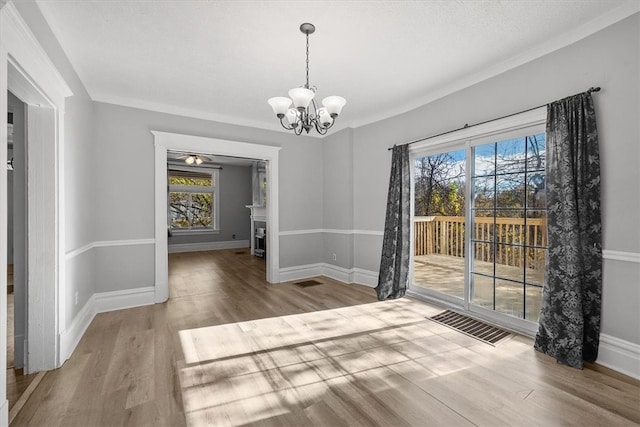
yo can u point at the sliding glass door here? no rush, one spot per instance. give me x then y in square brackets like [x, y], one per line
[479, 229]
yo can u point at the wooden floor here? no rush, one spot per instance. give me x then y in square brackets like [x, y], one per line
[229, 349]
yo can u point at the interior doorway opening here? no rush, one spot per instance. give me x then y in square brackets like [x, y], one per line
[169, 142]
[214, 203]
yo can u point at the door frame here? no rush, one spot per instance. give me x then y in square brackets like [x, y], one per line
[165, 141]
[27, 71]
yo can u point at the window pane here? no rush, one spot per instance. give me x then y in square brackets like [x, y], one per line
[439, 184]
[510, 156]
[483, 258]
[205, 181]
[483, 228]
[482, 291]
[537, 228]
[179, 209]
[201, 204]
[510, 298]
[536, 152]
[439, 223]
[533, 302]
[535, 263]
[536, 191]
[485, 157]
[510, 190]
[484, 192]
[509, 262]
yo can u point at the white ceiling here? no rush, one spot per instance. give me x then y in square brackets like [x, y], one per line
[221, 60]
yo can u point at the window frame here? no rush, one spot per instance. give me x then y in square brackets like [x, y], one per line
[526, 123]
[214, 189]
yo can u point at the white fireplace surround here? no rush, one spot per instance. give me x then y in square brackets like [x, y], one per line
[258, 214]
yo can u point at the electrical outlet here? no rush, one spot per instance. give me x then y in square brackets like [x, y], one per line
[77, 297]
[233, 236]
[335, 258]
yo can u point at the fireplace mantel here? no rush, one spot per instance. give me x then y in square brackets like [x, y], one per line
[258, 214]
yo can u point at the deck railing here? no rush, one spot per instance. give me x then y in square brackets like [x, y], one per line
[445, 235]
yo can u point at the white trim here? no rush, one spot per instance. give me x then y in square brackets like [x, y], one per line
[369, 232]
[101, 303]
[586, 29]
[289, 274]
[621, 256]
[619, 355]
[120, 300]
[365, 277]
[330, 231]
[300, 232]
[346, 275]
[165, 141]
[208, 246]
[131, 242]
[106, 243]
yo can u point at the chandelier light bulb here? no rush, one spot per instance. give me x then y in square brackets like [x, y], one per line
[198, 160]
[189, 160]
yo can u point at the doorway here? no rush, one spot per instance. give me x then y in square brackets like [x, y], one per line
[165, 142]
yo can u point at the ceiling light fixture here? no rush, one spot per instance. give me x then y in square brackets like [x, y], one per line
[193, 159]
[306, 113]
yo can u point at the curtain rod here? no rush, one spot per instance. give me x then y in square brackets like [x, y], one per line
[466, 126]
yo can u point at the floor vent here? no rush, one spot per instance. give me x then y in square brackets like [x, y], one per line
[240, 253]
[472, 327]
[307, 283]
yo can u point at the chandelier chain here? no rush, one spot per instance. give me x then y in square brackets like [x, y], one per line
[307, 86]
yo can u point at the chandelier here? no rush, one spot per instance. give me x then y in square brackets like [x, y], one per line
[306, 115]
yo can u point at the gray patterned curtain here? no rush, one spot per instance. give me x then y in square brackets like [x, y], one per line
[394, 265]
[569, 327]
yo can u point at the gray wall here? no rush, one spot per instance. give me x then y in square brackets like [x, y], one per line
[608, 59]
[120, 130]
[236, 192]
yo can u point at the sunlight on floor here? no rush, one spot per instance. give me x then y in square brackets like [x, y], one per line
[245, 372]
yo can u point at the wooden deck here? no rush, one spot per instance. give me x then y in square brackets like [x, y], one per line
[445, 274]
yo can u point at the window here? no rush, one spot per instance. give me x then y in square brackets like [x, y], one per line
[509, 226]
[193, 199]
[479, 229]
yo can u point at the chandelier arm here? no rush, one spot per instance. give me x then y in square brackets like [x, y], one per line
[286, 127]
[319, 128]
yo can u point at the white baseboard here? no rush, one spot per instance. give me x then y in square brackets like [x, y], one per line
[101, 303]
[619, 355]
[365, 277]
[298, 272]
[345, 275]
[208, 246]
[119, 300]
